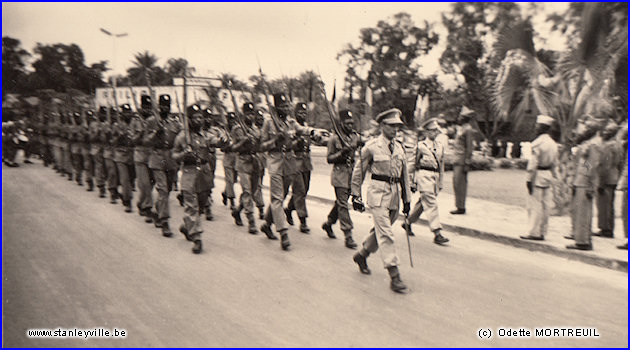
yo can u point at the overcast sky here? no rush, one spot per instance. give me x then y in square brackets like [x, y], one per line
[289, 38]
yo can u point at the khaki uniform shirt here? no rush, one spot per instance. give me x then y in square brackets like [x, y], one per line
[379, 160]
[544, 154]
[429, 166]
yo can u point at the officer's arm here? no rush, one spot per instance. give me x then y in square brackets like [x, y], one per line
[359, 171]
[441, 167]
[268, 138]
[240, 138]
[335, 153]
[532, 164]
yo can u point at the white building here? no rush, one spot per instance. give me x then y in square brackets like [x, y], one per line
[196, 92]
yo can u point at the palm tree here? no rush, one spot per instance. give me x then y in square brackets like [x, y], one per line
[145, 66]
[588, 79]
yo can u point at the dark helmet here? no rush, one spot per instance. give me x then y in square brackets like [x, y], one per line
[279, 99]
[248, 107]
[145, 102]
[193, 110]
[165, 103]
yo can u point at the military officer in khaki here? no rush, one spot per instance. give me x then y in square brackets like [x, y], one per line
[428, 175]
[462, 150]
[342, 158]
[108, 155]
[610, 166]
[541, 172]
[384, 158]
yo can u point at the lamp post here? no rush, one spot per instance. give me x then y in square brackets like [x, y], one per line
[114, 36]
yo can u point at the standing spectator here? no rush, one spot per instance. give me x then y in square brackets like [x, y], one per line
[611, 162]
[584, 184]
[541, 172]
[462, 150]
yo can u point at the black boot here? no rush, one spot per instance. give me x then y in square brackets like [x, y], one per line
[360, 259]
[224, 198]
[303, 227]
[127, 205]
[236, 214]
[407, 227]
[284, 240]
[329, 231]
[184, 231]
[396, 284]
[114, 196]
[439, 239]
[90, 184]
[266, 229]
[232, 203]
[350, 243]
[252, 224]
[197, 247]
[209, 216]
[180, 199]
[166, 230]
[101, 192]
[289, 216]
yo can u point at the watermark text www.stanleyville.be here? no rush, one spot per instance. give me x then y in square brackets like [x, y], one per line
[76, 333]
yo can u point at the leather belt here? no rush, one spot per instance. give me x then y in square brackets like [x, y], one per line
[385, 178]
[429, 169]
[543, 167]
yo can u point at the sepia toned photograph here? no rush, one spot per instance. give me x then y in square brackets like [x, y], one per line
[307, 174]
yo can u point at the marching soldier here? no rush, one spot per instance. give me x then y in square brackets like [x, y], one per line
[123, 155]
[76, 148]
[611, 163]
[229, 164]
[88, 162]
[279, 144]
[541, 173]
[462, 149]
[259, 120]
[141, 159]
[248, 165]
[342, 159]
[429, 172]
[96, 150]
[193, 155]
[159, 137]
[302, 181]
[384, 157]
[108, 155]
[584, 184]
[66, 131]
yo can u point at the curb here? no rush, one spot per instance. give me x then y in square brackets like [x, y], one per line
[609, 263]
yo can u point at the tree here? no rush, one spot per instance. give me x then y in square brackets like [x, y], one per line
[145, 65]
[386, 60]
[589, 78]
[472, 28]
[13, 65]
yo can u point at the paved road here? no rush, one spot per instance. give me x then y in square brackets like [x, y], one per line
[72, 260]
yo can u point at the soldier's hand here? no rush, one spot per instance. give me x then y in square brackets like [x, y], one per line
[189, 158]
[357, 204]
[406, 208]
[530, 188]
[346, 151]
[600, 190]
[413, 188]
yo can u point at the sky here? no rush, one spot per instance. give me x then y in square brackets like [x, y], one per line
[287, 38]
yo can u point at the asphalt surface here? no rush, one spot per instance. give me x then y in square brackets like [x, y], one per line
[72, 260]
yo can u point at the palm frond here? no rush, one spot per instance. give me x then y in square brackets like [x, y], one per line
[512, 37]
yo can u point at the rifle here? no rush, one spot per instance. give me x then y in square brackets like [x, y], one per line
[331, 113]
[185, 114]
[135, 102]
[239, 120]
[274, 117]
